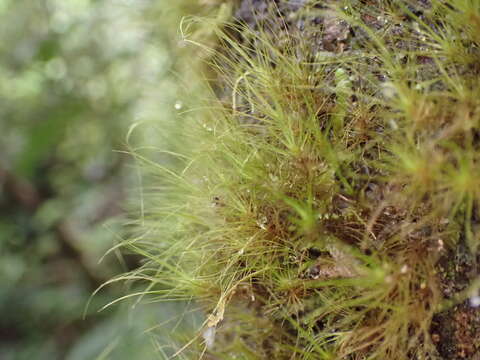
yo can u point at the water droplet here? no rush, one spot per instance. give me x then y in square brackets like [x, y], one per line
[178, 105]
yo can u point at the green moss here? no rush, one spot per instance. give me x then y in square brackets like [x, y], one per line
[318, 193]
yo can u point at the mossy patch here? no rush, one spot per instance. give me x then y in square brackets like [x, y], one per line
[328, 184]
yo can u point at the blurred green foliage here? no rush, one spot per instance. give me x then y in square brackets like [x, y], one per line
[75, 75]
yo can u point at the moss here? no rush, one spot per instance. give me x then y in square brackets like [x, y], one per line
[331, 173]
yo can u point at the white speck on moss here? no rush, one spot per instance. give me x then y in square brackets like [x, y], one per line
[209, 336]
[273, 177]
[388, 90]
[475, 301]
[393, 124]
[262, 223]
[440, 245]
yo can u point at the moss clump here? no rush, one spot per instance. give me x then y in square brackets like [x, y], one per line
[331, 175]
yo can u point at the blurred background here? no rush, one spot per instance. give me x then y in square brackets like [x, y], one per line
[75, 76]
